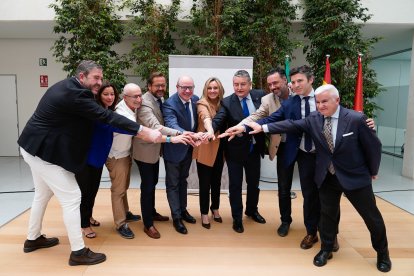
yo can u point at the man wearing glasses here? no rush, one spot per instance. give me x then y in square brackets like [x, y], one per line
[119, 163]
[180, 113]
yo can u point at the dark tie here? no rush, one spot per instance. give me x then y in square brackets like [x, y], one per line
[308, 138]
[188, 113]
[327, 132]
[160, 104]
[246, 113]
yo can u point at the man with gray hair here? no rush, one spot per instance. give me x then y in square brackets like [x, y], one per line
[348, 154]
[55, 143]
[119, 163]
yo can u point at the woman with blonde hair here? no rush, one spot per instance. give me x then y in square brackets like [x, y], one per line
[209, 156]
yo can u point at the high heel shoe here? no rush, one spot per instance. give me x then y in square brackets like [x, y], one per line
[205, 225]
[216, 219]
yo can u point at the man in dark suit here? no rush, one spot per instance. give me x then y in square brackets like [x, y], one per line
[244, 151]
[348, 155]
[180, 113]
[55, 143]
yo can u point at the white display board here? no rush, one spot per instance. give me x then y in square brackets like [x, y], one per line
[200, 68]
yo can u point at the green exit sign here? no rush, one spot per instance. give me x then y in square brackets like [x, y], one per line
[42, 61]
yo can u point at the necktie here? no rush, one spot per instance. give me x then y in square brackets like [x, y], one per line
[160, 104]
[188, 113]
[308, 139]
[327, 132]
[246, 113]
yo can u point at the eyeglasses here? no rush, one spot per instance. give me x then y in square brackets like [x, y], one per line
[159, 86]
[191, 88]
[135, 96]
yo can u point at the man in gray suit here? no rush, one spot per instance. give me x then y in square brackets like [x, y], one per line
[147, 155]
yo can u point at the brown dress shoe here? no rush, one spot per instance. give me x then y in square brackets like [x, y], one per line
[86, 257]
[152, 232]
[308, 241]
[159, 217]
[40, 242]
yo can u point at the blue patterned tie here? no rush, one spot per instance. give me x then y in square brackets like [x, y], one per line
[246, 113]
[308, 138]
[188, 113]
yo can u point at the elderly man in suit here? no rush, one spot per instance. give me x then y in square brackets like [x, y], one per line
[147, 155]
[348, 155]
[180, 114]
[55, 144]
[243, 152]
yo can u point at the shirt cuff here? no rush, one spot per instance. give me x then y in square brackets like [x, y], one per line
[265, 128]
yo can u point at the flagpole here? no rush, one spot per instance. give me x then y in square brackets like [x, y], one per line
[358, 100]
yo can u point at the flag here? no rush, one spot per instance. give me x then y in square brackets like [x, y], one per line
[327, 76]
[358, 100]
[287, 69]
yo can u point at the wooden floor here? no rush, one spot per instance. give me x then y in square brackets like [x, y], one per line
[218, 251]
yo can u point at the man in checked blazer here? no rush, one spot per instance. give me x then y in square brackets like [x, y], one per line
[147, 155]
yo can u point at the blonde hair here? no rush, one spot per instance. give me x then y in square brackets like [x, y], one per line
[220, 86]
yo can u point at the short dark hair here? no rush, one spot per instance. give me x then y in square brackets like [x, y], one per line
[276, 70]
[243, 74]
[153, 76]
[105, 85]
[304, 69]
[85, 66]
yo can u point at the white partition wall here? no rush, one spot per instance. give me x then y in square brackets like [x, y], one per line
[8, 119]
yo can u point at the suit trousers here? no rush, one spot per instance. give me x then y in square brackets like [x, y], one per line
[149, 179]
[176, 175]
[284, 184]
[88, 180]
[49, 180]
[210, 179]
[120, 174]
[363, 201]
[311, 206]
[252, 170]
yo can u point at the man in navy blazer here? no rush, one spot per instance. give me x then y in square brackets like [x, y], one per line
[180, 113]
[244, 151]
[55, 143]
[348, 155]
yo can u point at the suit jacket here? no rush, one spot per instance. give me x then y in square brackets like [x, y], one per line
[270, 103]
[231, 114]
[175, 117]
[149, 115]
[357, 153]
[60, 130]
[290, 109]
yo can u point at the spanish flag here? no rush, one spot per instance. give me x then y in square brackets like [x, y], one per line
[358, 100]
[327, 76]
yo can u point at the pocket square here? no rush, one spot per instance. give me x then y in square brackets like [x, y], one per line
[347, 134]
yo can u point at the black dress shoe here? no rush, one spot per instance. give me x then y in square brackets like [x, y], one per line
[322, 258]
[125, 232]
[238, 226]
[283, 229]
[179, 226]
[206, 225]
[384, 262]
[86, 256]
[187, 217]
[216, 219]
[40, 242]
[256, 217]
[131, 217]
[335, 247]
[159, 217]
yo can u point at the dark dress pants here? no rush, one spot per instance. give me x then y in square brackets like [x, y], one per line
[210, 179]
[88, 180]
[363, 201]
[252, 170]
[176, 184]
[149, 179]
[284, 183]
[311, 206]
